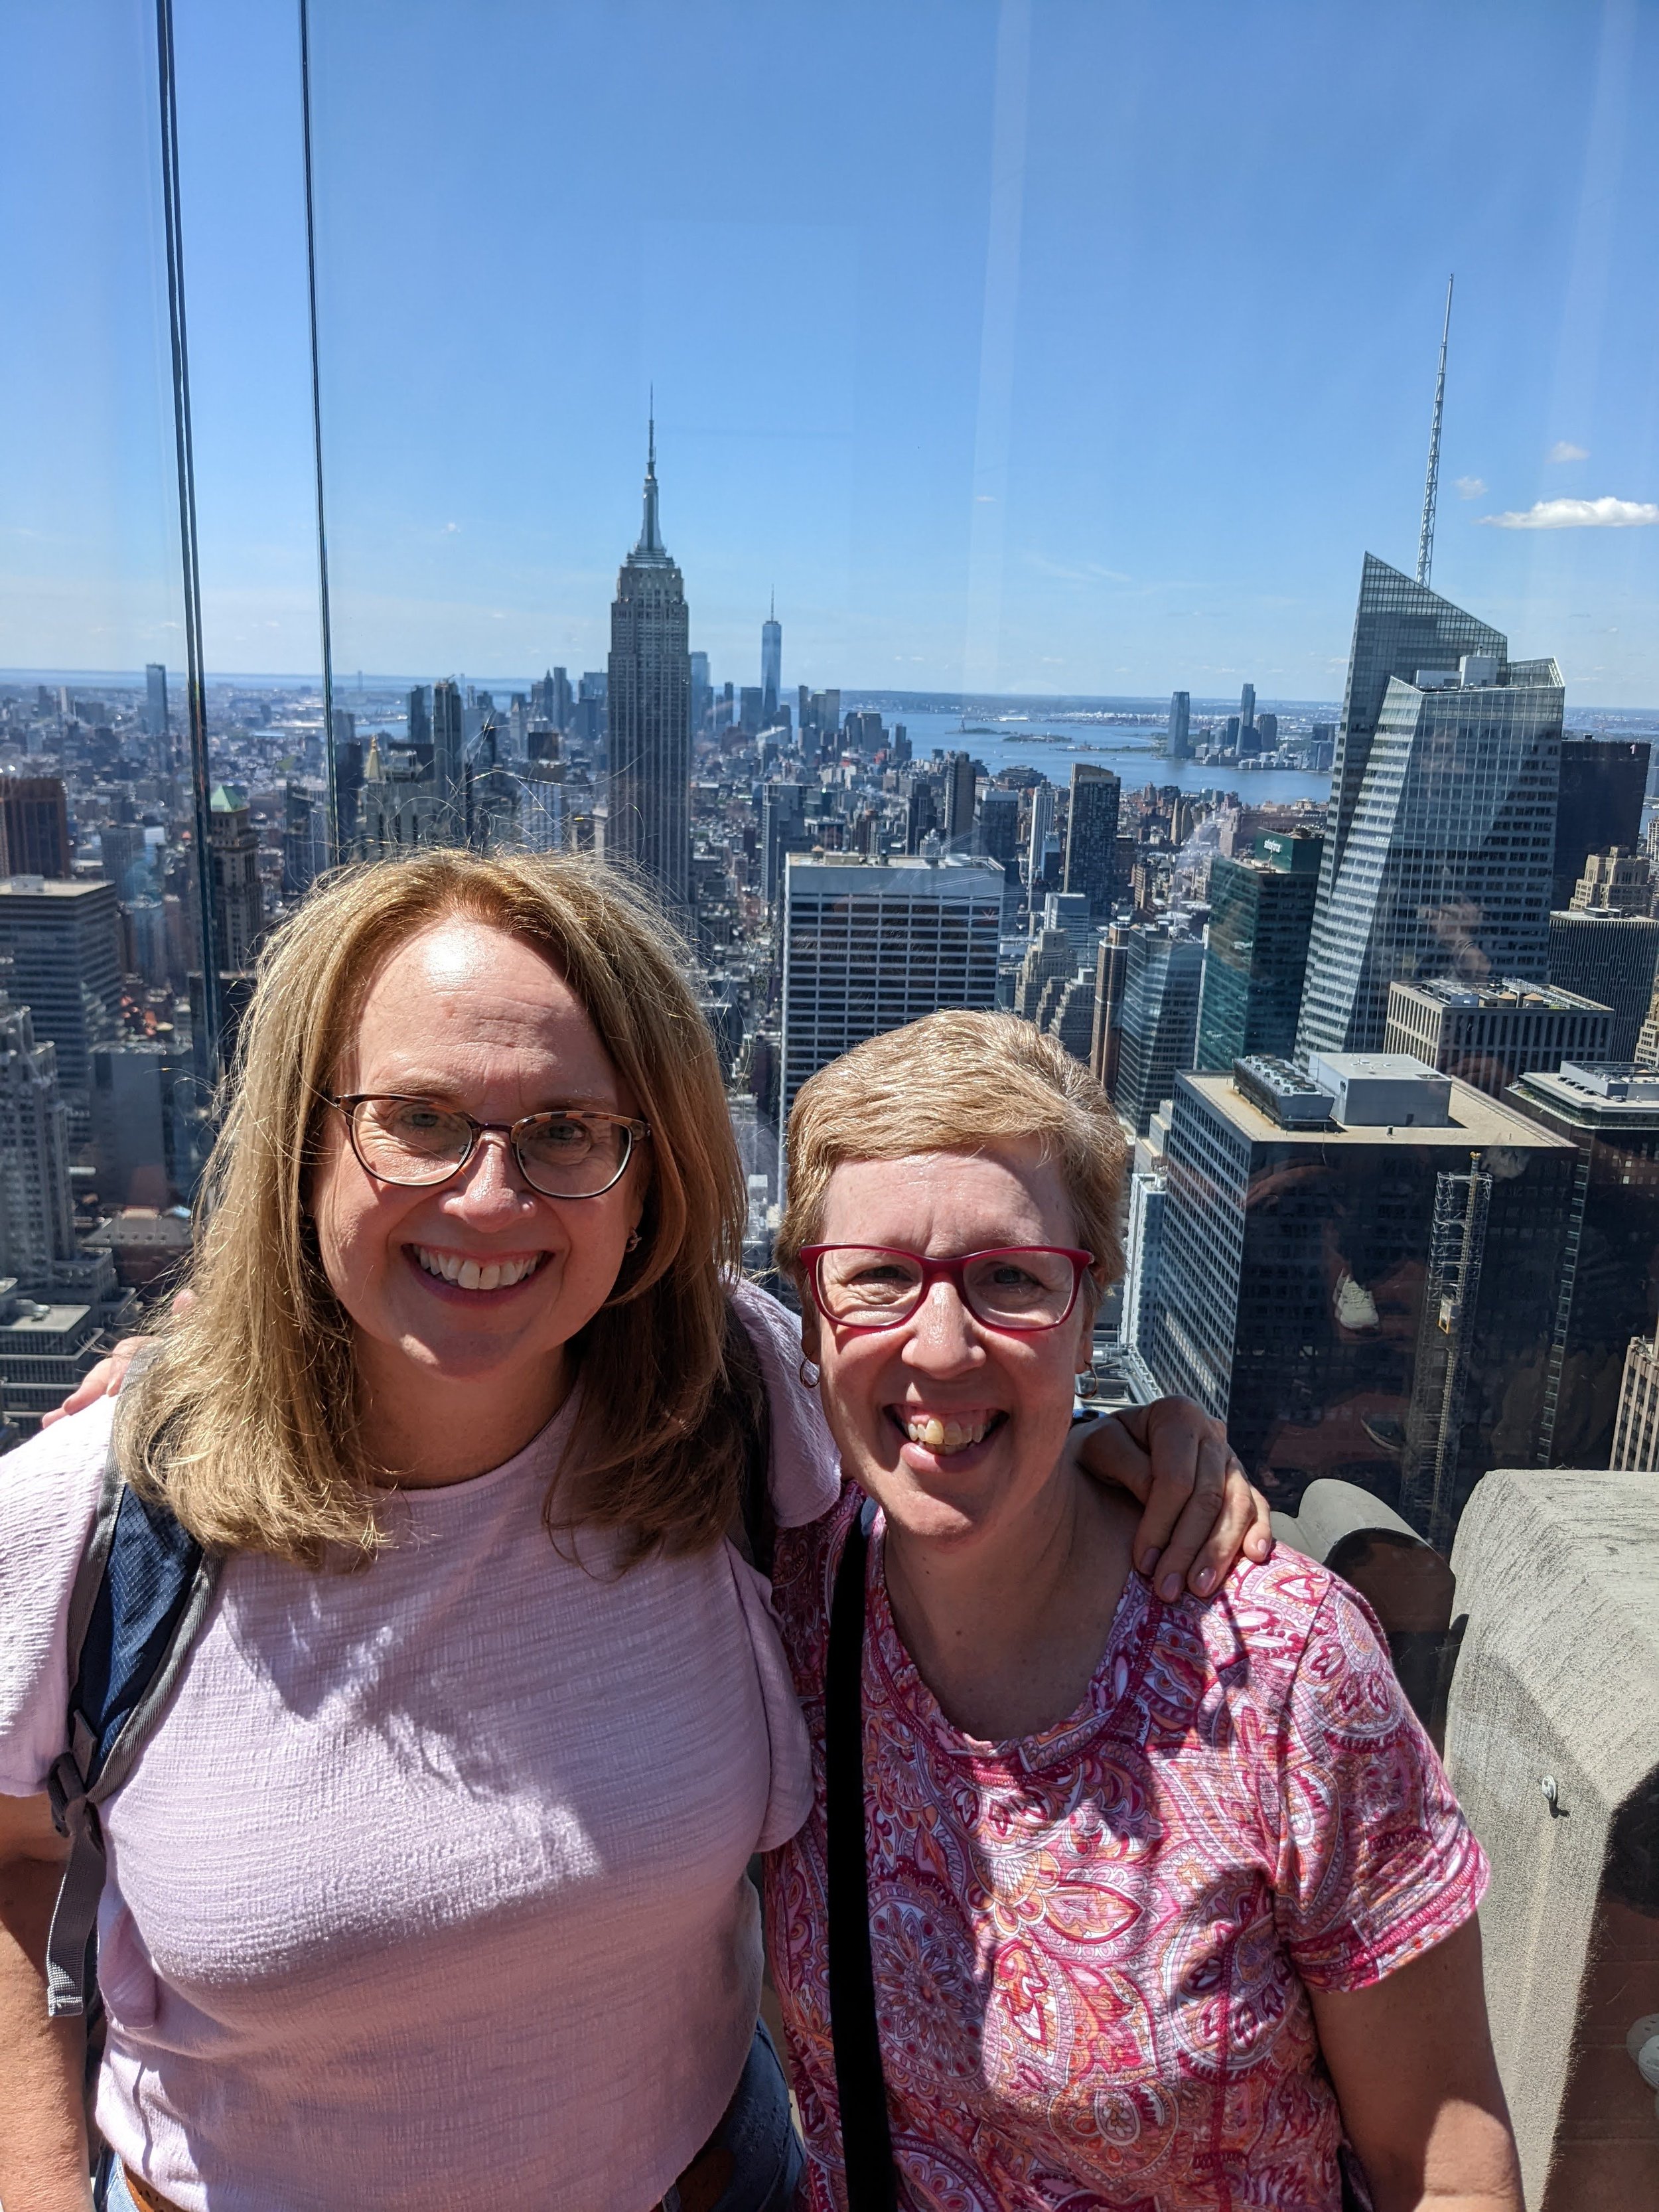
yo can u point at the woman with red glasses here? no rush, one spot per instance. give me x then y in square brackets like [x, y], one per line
[1104, 1900]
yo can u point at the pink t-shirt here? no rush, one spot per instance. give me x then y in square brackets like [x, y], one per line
[429, 1890]
[1092, 1947]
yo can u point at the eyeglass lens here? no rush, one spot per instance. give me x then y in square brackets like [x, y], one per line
[866, 1287]
[562, 1155]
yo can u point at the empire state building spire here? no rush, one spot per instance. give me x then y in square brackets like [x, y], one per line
[651, 547]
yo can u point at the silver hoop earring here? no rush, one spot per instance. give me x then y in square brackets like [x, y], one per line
[633, 1243]
[808, 1373]
[1088, 1383]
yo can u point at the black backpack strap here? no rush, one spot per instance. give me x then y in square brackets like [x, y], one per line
[140, 1595]
[860, 2086]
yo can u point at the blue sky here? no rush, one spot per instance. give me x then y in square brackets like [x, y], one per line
[1075, 346]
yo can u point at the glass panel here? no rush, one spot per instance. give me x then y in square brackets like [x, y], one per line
[105, 1069]
[1035, 585]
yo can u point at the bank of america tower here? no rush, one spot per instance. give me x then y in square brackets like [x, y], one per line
[649, 692]
[1440, 837]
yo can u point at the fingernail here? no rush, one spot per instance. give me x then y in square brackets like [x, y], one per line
[1169, 1587]
[1149, 1559]
[1203, 1580]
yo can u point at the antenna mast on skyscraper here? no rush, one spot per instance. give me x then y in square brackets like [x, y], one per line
[1432, 484]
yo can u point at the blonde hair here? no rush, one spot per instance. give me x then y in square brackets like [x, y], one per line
[957, 1082]
[245, 1421]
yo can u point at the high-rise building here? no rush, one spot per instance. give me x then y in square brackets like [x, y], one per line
[419, 717]
[37, 1226]
[155, 700]
[304, 854]
[998, 827]
[1164, 969]
[1179, 745]
[34, 827]
[771, 665]
[1609, 957]
[1040, 827]
[1399, 627]
[1360, 1273]
[124, 858]
[448, 756]
[958, 797]
[869, 945]
[63, 939]
[1255, 953]
[1607, 1290]
[1050, 958]
[1249, 741]
[1621, 877]
[1635, 1437]
[1111, 960]
[239, 898]
[703, 692]
[1092, 835]
[1488, 1034]
[1603, 781]
[1444, 860]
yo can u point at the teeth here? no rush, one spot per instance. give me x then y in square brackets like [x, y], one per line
[470, 1275]
[947, 1435]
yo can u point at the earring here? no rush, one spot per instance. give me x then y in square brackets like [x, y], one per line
[633, 1243]
[808, 1373]
[1088, 1383]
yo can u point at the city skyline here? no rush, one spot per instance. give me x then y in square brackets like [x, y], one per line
[1005, 398]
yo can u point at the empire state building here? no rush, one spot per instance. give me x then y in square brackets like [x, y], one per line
[649, 698]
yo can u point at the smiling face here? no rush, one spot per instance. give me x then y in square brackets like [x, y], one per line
[955, 1428]
[469, 1017]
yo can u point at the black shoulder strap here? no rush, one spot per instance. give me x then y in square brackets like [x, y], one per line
[141, 1593]
[860, 2086]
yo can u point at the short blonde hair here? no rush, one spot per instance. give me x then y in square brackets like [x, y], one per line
[246, 1420]
[957, 1082]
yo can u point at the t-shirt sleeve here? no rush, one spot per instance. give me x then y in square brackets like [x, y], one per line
[48, 1496]
[806, 1465]
[1376, 1863]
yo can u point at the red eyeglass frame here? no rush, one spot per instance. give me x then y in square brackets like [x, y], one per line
[947, 1271]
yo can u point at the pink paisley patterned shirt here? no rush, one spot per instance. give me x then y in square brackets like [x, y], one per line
[1092, 1947]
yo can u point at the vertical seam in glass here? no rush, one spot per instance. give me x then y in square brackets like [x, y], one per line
[195, 693]
[333, 808]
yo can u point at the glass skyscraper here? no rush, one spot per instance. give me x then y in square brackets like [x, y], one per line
[1163, 968]
[1255, 952]
[771, 665]
[1441, 832]
[648, 693]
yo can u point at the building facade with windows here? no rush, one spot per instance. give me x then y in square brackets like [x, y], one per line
[1362, 1297]
[1157, 1025]
[648, 707]
[1608, 956]
[1446, 866]
[1488, 1034]
[1255, 950]
[869, 945]
[1609, 1290]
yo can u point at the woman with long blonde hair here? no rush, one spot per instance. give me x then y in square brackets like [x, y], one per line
[429, 1886]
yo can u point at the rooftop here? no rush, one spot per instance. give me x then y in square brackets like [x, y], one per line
[55, 887]
[1513, 991]
[1474, 1120]
[1614, 1089]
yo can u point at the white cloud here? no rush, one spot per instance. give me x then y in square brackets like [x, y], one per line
[1563, 451]
[1578, 514]
[1470, 487]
